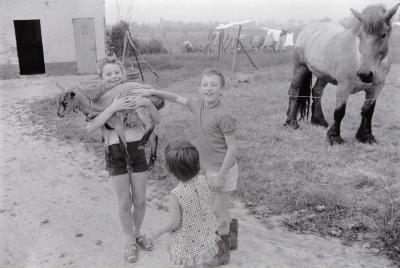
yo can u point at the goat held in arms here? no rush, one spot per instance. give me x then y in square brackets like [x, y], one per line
[76, 99]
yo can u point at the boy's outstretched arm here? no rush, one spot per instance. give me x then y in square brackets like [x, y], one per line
[166, 95]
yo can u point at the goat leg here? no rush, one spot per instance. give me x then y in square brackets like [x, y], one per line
[124, 148]
[153, 152]
[145, 139]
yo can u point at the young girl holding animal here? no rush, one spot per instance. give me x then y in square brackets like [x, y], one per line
[217, 145]
[192, 224]
[113, 74]
[131, 190]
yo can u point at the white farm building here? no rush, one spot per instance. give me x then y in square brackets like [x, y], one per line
[51, 36]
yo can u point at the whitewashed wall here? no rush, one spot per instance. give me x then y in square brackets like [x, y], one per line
[56, 26]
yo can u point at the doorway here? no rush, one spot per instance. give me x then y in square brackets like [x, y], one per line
[29, 46]
[85, 45]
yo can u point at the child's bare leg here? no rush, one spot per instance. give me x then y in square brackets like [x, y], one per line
[138, 186]
[122, 187]
[221, 202]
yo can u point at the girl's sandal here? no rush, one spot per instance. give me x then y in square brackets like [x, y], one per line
[144, 243]
[131, 253]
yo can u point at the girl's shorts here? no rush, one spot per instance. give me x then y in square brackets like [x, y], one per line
[115, 161]
[230, 180]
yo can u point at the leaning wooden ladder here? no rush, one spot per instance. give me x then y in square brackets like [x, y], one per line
[138, 57]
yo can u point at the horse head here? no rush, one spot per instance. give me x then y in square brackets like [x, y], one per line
[67, 103]
[373, 31]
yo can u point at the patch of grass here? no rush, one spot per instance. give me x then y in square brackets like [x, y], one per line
[346, 191]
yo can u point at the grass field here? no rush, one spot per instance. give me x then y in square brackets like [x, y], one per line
[349, 191]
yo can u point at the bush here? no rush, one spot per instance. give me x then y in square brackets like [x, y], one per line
[115, 42]
[153, 46]
[115, 39]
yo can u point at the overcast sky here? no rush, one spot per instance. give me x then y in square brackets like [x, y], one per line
[150, 11]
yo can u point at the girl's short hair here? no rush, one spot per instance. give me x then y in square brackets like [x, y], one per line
[216, 72]
[182, 159]
[110, 60]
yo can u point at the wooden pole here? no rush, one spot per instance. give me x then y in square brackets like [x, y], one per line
[124, 48]
[235, 51]
[138, 54]
[247, 54]
[138, 63]
[221, 51]
[220, 45]
[210, 34]
[227, 44]
[128, 36]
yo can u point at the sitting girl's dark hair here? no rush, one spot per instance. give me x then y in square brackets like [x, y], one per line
[182, 159]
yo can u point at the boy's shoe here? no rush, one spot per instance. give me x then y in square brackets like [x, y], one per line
[233, 232]
[223, 256]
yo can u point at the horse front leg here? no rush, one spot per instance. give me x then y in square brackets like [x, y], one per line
[299, 76]
[317, 116]
[364, 133]
[334, 131]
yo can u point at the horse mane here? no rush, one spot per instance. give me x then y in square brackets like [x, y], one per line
[374, 21]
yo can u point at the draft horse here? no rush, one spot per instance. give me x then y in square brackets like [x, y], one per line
[355, 60]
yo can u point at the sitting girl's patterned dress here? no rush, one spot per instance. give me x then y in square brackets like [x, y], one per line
[195, 240]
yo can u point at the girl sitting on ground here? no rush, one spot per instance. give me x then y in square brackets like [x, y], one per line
[191, 223]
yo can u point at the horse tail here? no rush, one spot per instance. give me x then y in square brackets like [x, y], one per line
[305, 96]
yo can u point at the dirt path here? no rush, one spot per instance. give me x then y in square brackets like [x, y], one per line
[58, 210]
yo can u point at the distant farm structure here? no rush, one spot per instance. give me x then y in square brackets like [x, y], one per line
[173, 35]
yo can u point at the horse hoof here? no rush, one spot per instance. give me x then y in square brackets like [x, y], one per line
[335, 140]
[367, 138]
[292, 123]
[321, 123]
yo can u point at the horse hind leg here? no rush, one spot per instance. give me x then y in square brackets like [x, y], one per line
[317, 116]
[300, 85]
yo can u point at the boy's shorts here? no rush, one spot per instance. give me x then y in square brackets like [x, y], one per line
[230, 180]
[115, 161]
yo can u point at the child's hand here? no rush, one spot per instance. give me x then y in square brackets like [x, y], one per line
[120, 104]
[216, 182]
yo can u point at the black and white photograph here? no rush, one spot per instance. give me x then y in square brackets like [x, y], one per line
[199, 133]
